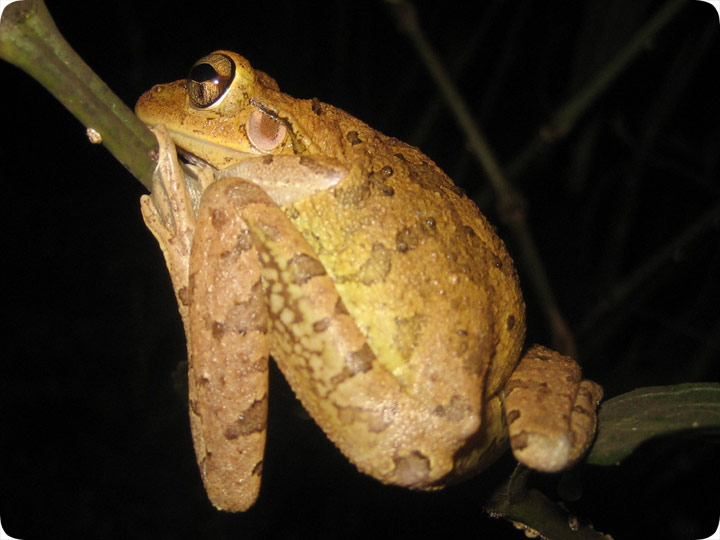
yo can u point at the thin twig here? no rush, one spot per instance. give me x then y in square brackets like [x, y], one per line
[510, 204]
[670, 91]
[652, 265]
[538, 515]
[563, 120]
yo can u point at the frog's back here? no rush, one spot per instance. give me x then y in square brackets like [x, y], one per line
[416, 264]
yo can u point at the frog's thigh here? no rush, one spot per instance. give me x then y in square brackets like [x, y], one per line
[384, 430]
[229, 350]
[550, 410]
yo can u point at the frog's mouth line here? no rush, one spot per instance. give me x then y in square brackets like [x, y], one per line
[193, 163]
[285, 179]
[185, 143]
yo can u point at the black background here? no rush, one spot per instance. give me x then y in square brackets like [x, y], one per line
[95, 437]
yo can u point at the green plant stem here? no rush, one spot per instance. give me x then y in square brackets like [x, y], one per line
[30, 40]
[535, 513]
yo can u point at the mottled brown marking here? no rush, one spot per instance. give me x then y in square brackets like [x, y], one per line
[360, 361]
[458, 409]
[373, 421]
[316, 106]
[519, 441]
[353, 195]
[321, 325]
[346, 415]
[377, 266]
[243, 242]
[218, 330]
[340, 308]
[238, 194]
[511, 322]
[413, 469]
[303, 268]
[387, 190]
[431, 179]
[249, 315]
[193, 407]
[407, 332]
[573, 377]
[512, 416]
[257, 469]
[268, 159]
[582, 410]
[353, 138]
[312, 164]
[219, 219]
[257, 293]
[543, 389]
[243, 319]
[251, 420]
[183, 295]
[406, 240]
[244, 366]
[270, 231]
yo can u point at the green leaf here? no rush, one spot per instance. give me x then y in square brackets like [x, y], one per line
[628, 420]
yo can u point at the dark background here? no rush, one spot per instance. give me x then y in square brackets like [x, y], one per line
[94, 433]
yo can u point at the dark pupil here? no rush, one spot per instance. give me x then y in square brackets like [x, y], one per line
[204, 72]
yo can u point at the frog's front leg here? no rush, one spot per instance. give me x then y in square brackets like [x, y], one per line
[550, 410]
[216, 276]
[168, 213]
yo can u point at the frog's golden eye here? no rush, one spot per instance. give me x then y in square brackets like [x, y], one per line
[265, 132]
[209, 78]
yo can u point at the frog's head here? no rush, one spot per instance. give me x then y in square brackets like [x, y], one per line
[223, 112]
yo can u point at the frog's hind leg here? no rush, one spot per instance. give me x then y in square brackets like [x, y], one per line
[550, 410]
[216, 276]
[229, 349]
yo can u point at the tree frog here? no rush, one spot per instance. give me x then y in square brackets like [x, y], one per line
[293, 230]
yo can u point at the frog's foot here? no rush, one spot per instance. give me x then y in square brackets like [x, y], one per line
[550, 410]
[169, 214]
